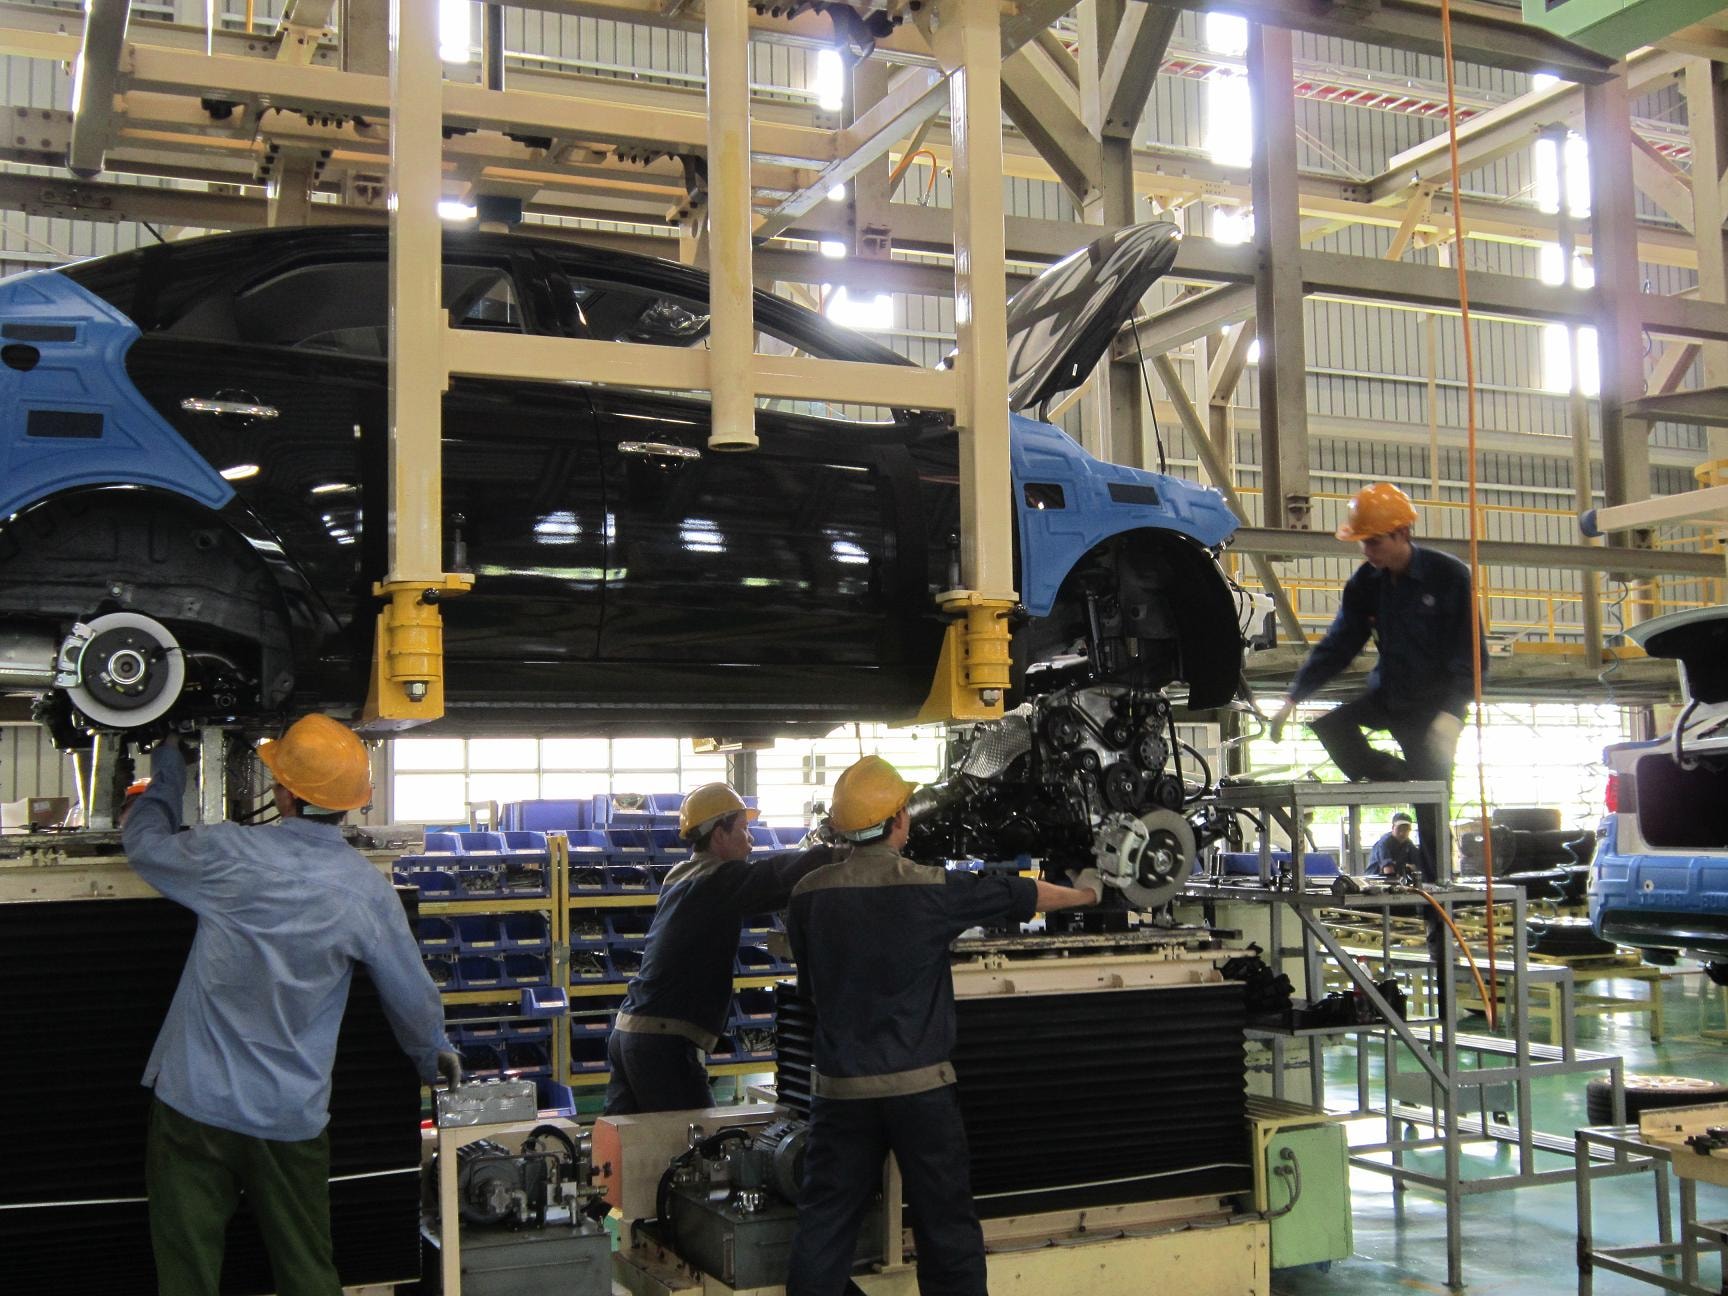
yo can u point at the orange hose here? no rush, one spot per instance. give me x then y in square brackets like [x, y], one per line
[1475, 519]
[1487, 1003]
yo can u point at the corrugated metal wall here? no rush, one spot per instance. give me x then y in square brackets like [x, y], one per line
[30, 767]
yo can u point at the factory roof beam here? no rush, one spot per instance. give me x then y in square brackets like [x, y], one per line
[1512, 126]
[1480, 33]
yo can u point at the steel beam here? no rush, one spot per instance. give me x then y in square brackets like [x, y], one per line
[1186, 320]
[1136, 54]
[1662, 182]
[1479, 35]
[1709, 504]
[417, 374]
[1503, 553]
[1512, 126]
[967, 37]
[1689, 317]
[1707, 123]
[94, 79]
[1278, 283]
[1620, 338]
[732, 337]
[1219, 472]
[1038, 100]
[1702, 407]
[913, 99]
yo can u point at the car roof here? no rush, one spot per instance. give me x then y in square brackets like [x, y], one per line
[339, 242]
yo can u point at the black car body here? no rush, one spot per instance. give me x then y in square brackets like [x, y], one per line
[193, 506]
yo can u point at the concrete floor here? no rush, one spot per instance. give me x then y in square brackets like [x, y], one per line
[1522, 1243]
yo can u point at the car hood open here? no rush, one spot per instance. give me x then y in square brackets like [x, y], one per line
[1060, 324]
[1698, 638]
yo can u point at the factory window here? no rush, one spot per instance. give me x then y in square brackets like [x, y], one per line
[1229, 119]
[435, 780]
[1547, 158]
[1557, 360]
[795, 777]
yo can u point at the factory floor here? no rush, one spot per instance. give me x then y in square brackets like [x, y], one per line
[1522, 1242]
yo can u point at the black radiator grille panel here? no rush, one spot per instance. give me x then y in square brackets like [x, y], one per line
[1087, 1099]
[106, 972]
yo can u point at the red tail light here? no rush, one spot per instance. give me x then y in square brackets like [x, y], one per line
[1611, 793]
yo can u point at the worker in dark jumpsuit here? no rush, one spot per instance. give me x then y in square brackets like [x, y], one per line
[1395, 855]
[871, 936]
[675, 1009]
[1415, 604]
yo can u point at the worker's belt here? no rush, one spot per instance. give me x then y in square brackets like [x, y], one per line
[634, 1025]
[895, 1084]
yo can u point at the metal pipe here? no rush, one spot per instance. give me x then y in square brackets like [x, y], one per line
[492, 45]
[26, 662]
[731, 303]
[94, 77]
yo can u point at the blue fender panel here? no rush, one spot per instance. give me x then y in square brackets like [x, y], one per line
[1100, 500]
[75, 419]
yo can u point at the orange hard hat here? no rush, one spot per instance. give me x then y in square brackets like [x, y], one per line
[1376, 510]
[708, 803]
[320, 761]
[869, 792]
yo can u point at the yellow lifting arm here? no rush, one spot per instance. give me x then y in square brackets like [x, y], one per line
[972, 673]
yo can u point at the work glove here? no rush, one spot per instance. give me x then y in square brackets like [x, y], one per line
[1279, 717]
[1090, 880]
[450, 1068]
[1441, 739]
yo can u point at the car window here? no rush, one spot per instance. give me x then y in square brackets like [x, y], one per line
[343, 306]
[613, 312]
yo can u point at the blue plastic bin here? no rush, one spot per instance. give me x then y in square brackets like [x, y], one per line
[1247, 863]
[477, 932]
[528, 931]
[524, 969]
[434, 933]
[481, 1061]
[442, 843]
[628, 928]
[479, 971]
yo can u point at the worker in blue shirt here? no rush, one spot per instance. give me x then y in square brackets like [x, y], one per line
[1415, 604]
[871, 934]
[241, 1066]
[675, 1009]
[1395, 855]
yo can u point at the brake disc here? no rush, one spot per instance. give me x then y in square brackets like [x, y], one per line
[122, 669]
[1149, 856]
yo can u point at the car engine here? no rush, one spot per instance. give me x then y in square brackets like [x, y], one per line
[1080, 777]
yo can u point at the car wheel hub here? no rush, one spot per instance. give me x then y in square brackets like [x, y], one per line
[122, 669]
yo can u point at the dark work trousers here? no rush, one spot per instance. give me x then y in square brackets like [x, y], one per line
[849, 1139]
[1344, 732]
[653, 1073]
[194, 1174]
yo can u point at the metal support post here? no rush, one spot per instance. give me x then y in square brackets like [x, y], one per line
[97, 71]
[1614, 253]
[407, 682]
[731, 304]
[972, 676]
[1707, 124]
[1115, 423]
[1278, 284]
[212, 776]
[1578, 409]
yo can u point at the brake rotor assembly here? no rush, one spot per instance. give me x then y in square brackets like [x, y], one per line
[1148, 856]
[121, 669]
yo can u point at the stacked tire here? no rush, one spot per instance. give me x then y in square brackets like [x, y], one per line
[1650, 1093]
[1532, 850]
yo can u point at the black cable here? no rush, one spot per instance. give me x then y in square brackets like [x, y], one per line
[1157, 434]
[158, 233]
[1205, 772]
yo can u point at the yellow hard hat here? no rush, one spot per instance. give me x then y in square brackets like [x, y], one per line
[709, 802]
[1376, 510]
[320, 761]
[869, 792]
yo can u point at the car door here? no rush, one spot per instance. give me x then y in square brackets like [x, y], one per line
[792, 579]
[283, 364]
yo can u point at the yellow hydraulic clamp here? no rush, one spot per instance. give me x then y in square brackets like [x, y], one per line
[407, 683]
[972, 674]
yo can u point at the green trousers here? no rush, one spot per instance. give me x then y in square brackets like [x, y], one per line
[194, 1174]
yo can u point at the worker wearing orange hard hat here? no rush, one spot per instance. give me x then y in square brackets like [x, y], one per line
[1414, 602]
[871, 934]
[241, 1069]
[676, 1007]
